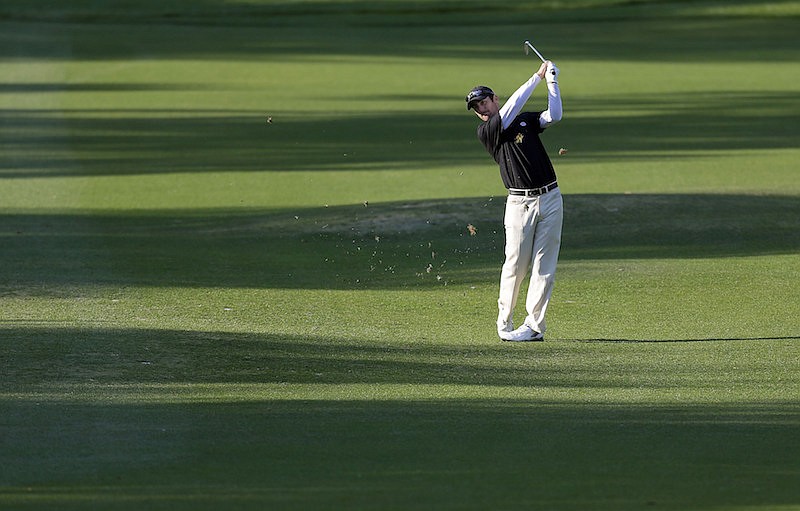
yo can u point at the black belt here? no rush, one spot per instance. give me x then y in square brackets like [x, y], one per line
[533, 192]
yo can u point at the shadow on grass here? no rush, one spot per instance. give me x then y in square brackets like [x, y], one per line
[638, 31]
[444, 455]
[39, 356]
[383, 246]
[704, 339]
[41, 143]
[91, 415]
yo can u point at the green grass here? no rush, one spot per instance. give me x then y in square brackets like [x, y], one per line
[203, 310]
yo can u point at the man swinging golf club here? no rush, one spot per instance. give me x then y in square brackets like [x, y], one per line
[534, 207]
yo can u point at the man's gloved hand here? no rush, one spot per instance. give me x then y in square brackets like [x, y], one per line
[551, 75]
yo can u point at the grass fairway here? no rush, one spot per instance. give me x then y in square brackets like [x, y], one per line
[203, 309]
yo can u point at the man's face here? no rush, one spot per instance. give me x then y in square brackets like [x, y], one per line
[487, 107]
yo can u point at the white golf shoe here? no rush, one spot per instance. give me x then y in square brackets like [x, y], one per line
[521, 334]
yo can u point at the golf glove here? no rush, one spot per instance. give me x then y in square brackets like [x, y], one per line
[552, 73]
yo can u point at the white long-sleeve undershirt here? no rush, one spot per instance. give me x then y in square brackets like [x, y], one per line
[513, 106]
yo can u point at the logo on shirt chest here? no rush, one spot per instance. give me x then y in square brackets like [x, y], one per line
[521, 135]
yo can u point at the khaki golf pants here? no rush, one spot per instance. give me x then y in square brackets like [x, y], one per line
[533, 239]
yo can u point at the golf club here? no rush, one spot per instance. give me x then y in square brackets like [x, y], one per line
[527, 46]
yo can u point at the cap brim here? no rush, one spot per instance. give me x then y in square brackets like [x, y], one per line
[472, 103]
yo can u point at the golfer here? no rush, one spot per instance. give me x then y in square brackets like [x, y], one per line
[534, 208]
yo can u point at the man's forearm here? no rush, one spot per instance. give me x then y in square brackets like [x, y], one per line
[553, 113]
[513, 106]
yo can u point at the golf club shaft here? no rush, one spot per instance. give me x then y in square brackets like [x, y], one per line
[529, 45]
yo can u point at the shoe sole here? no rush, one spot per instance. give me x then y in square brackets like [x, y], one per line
[536, 339]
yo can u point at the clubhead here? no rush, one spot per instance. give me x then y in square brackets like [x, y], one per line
[529, 48]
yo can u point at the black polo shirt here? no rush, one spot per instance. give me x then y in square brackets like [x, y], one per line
[519, 152]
